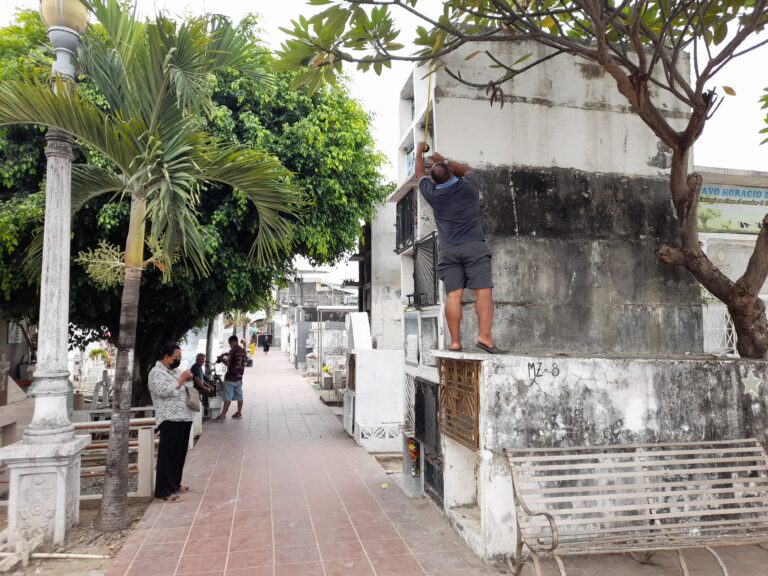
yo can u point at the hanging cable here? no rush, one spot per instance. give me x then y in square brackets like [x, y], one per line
[426, 119]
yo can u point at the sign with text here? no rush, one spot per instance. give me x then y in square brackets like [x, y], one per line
[15, 336]
[733, 209]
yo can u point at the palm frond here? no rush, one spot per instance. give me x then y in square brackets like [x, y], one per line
[172, 201]
[89, 182]
[33, 258]
[102, 65]
[121, 26]
[29, 101]
[266, 184]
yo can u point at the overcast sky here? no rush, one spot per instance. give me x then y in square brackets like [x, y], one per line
[731, 138]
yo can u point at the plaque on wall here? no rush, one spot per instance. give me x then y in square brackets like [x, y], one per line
[15, 335]
[4, 364]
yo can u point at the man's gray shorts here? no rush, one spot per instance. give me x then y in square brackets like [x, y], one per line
[233, 391]
[465, 266]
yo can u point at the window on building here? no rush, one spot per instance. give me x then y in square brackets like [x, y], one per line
[425, 272]
[406, 221]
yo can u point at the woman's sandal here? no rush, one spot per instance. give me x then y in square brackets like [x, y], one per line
[183, 488]
[172, 499]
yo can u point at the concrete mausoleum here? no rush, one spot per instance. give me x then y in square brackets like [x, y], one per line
[607, 345]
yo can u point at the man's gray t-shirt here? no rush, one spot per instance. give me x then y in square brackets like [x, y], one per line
[456, 209]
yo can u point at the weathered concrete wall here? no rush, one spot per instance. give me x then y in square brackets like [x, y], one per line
[553, 401]
[574, 265]
[386, 294]
[559, 401]
[565, 112]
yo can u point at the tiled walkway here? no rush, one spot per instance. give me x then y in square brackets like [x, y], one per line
[284, 492]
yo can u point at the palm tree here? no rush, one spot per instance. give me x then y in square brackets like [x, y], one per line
[151, 80]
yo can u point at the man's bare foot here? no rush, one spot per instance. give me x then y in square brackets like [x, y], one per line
[455, 348]
[486, 341]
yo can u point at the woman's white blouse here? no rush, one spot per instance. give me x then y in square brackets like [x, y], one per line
[170, 403]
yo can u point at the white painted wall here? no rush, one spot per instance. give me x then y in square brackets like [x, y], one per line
[565, 112]
[379, 399]
[386, 307]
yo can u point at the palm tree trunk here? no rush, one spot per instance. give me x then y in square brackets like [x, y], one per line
[113, 513]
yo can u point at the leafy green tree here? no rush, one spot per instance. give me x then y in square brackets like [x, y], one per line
[153, 79]
[640, 44]
[324, 138]
[339, 172]
[22, 162]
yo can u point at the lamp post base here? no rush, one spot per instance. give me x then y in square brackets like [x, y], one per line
[44, 489]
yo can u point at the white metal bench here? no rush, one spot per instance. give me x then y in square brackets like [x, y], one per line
[638, 498]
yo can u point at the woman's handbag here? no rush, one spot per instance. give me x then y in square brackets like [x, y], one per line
[193, 399]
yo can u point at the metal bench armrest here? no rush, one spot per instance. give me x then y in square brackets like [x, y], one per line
[531, 513]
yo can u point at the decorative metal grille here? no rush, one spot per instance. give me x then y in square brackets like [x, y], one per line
[425, 271]
[719, 332]
[406, 222]
[409, 418]
[433, 475]
[460, 401]
[426, 414]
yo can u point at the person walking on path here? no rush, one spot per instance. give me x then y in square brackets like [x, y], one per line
[464, 260]
[266, 342]
[167, 386]
[233, 379]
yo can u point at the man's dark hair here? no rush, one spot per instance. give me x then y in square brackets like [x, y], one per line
[440, 173]
[168, 349]
[234, 339]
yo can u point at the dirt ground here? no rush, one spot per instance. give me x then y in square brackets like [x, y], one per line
[83, 539]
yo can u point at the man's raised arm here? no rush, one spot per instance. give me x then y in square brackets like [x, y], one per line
[457, 168]
[419, 169]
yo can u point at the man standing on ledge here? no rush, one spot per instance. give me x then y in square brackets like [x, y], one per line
[464, 259]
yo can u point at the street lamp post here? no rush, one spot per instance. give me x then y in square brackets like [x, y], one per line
[45, 465]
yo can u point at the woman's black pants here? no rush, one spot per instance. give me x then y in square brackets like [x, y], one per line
[174, 440]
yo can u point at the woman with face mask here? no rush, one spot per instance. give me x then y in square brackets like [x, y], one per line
[167, 385]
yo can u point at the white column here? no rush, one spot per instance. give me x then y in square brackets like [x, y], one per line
[44, 496]
[50, 422]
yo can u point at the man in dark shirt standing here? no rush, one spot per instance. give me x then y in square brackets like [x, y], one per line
[233, 379]
[464, 259]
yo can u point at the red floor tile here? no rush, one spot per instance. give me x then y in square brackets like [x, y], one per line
[385, 547]
[331, 551]
[396, 565]
[204, 547]
[150, 550]
[296, 555]
[311, 569]
[201, 564]
[246, 540]
[301, 537]
[356, 567]
[153, 567]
